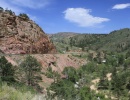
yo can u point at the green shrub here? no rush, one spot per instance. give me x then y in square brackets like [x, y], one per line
[23, 15]
[49, 72]
[1, 9]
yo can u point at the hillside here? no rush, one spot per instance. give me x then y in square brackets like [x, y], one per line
[20, 35]
[63, 35]
[118, 40]
[62, 40]
[57, 62]
[86, 41]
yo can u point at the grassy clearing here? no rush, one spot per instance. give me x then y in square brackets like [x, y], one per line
[10, 93]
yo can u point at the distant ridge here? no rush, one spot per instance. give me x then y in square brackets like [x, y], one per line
[117, 40]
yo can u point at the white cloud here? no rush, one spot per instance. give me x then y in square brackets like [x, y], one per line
[121, 6]
[82, 17]
[31, 3]
[18, 5]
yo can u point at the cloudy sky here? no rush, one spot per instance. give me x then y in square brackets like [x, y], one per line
[82, 16]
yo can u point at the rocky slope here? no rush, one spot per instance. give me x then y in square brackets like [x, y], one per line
[56, 61]
[19, 35]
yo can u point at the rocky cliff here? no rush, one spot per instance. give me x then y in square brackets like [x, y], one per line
[19, 35]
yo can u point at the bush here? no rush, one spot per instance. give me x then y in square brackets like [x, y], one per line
[11, 93]
[9, 11]
[1, 9]
[49, 72]
[64, 89]
[71, 74]
[23, 15]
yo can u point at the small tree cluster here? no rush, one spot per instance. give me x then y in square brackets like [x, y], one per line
[6, 10]
[31, 70]
[23, 15]
[1, 9]
[9, 11]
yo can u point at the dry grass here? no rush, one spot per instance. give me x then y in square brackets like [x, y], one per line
[10, 93]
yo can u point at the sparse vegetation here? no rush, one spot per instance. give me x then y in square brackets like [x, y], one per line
[113, 80]
[1, 9]
[23, 15]
[6, 10]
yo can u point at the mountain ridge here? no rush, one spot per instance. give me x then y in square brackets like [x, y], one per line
[116, 40]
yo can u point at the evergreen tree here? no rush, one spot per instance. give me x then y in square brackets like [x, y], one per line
[119, 84]
[128, 54]
[84, 93]
[71, 74]
[127, 63]
[64, 89]
[6, 70]
[9, 11]
[120, 59]
[32, 70]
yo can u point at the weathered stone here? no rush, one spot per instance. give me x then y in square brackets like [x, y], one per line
[20, 36]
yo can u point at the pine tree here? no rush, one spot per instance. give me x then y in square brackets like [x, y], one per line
[32, 69]
[6, 70]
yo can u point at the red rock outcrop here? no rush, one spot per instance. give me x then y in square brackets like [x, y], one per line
[19, 35]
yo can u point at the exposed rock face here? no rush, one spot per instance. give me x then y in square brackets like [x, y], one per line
[21, 36]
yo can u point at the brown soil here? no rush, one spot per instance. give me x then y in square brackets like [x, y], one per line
[57, 61]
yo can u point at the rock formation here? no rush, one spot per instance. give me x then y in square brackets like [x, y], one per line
[19, 35]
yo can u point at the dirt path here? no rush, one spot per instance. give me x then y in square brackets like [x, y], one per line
[109, 76]
[93, 86]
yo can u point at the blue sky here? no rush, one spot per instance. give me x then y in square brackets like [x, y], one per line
[81, 16]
